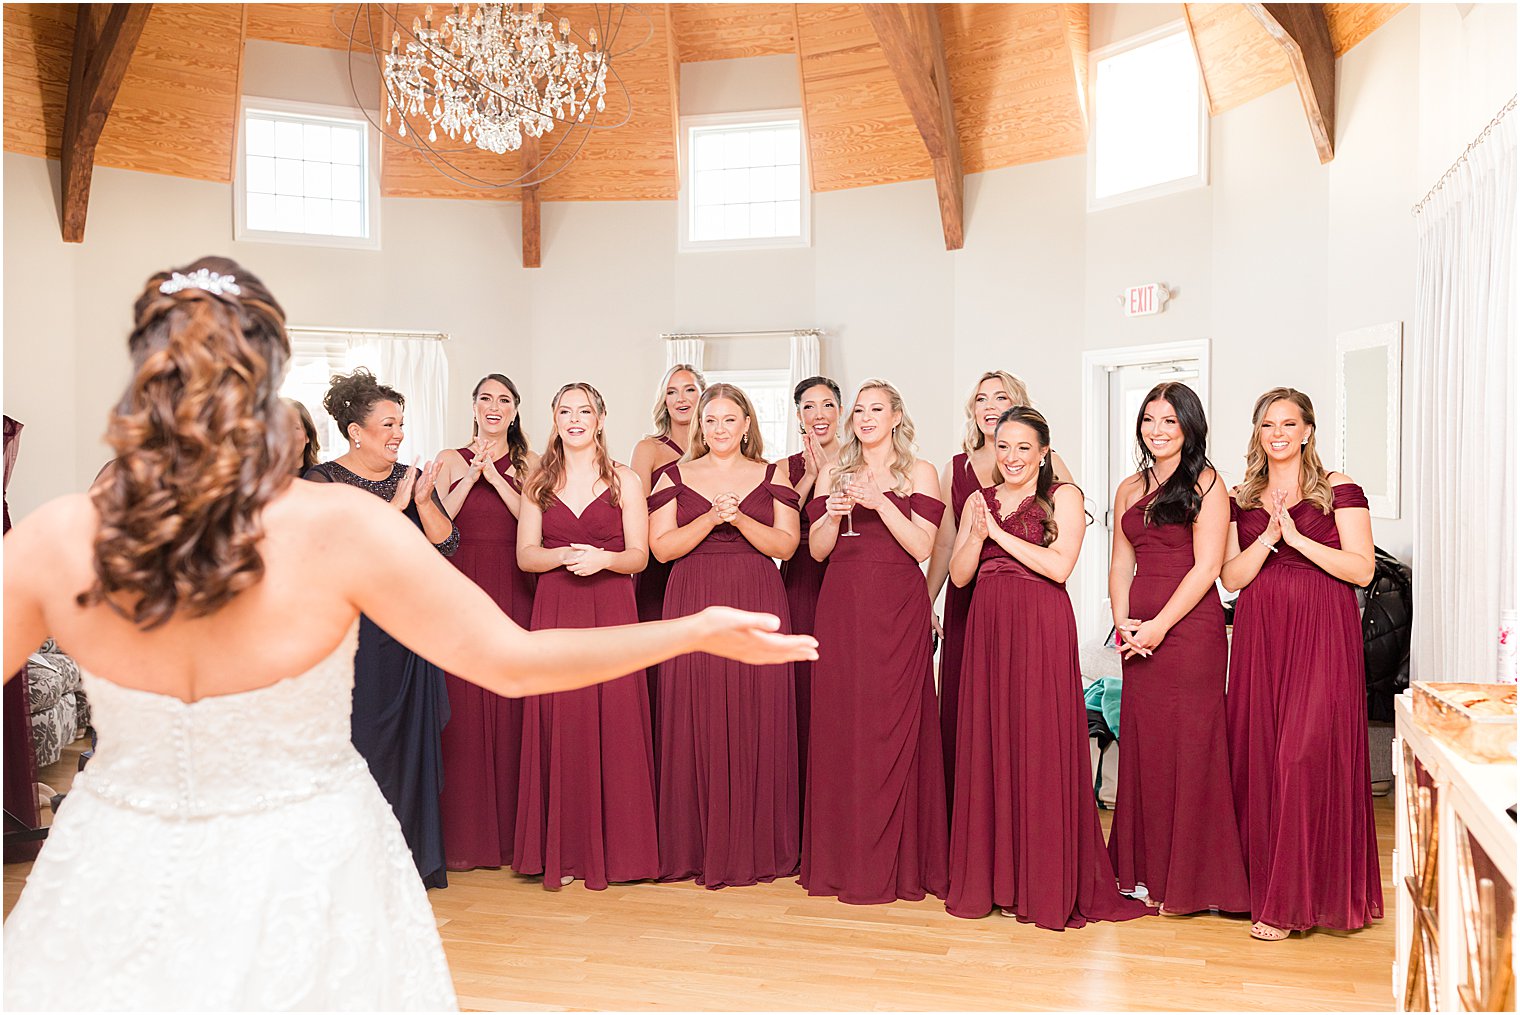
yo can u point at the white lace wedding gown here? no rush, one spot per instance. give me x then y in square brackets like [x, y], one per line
[234, 853]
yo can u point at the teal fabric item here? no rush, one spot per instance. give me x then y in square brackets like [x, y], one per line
[1102, 695]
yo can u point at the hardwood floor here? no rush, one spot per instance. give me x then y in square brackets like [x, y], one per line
[514, 946]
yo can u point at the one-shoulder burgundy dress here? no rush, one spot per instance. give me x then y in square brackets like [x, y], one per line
[728, 812]
[585, 804]
[803, 578]
[1025, 835]
[482, 743]
[875, 829]
[963, 483]
[1296, 715]
[1174, 828]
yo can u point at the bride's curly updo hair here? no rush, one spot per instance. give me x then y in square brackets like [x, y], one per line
[203, 443]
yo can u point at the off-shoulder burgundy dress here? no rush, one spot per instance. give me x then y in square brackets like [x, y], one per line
[1025, 834]
[482, 743]
[649, 591]
[1296, 714]
[585, 804]
[874, 827]
[1174, 828]
[728, 811]
[963, 483]
[803, 578]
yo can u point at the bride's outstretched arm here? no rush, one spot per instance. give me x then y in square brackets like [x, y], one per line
[450, 621]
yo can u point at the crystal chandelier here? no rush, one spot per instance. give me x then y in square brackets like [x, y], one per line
[491, 74]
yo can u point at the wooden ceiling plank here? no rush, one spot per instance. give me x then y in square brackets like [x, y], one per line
[1304, 35]
[802, 91]
[1351, 23]
[103, 45]
[1203, 74]
[910, 38]
[1076, 24]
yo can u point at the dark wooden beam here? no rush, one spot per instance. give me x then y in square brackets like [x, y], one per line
[104, 37]
[910, 38]
[1304, 34]
[532, 252]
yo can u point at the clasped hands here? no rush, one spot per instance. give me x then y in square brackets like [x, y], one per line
[583, 559]
[1139, 637]
[478, 465]
[724, 509]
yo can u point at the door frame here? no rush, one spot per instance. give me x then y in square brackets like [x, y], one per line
[1092, 619]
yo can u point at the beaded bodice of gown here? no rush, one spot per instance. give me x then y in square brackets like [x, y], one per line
[228, 754]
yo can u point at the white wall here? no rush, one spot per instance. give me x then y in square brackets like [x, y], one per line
[1271, 261]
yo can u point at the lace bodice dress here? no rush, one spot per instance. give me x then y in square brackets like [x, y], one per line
[231, 853]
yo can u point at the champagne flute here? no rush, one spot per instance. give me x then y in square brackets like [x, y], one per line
[849, 518]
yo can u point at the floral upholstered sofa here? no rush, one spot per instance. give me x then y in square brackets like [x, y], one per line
[59, 712]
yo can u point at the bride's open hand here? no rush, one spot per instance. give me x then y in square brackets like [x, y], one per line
[752, 638]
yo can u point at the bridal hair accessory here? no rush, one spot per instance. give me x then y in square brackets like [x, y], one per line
[205, 278]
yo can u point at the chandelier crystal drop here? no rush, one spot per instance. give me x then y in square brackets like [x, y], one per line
[492, 73]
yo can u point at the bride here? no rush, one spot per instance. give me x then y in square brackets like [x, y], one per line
[227, 847]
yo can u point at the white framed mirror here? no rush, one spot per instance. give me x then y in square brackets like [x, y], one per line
[1369, 381]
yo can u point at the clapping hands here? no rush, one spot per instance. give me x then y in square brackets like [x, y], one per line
[865, 491]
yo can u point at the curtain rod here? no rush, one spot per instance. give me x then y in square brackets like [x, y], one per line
[673, 336]
[1508, 107]
[383, 332]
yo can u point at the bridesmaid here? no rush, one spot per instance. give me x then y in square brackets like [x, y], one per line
[483, 741]
[1300, 543]
[1025, 834]
[306, 440]
[585, 803]
[975, 468]
[1173, 828]
[653, 456]
[817, 400]
[728, 808]
[400, 703]
[874, 827]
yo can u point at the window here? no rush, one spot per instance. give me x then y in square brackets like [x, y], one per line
[744, 183]
[771, 393]
[307, 174]
[1150, 120]
[411, 362]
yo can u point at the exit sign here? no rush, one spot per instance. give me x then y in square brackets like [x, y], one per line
[1141, 300]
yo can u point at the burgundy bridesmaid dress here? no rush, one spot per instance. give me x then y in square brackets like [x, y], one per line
[585, 803]
[482, 743]
[874, 827]
[803, 578]
[1025, 834]
[649, 591]
[963, 483]
[728, 812]
[1296, 716]
[1174, 829]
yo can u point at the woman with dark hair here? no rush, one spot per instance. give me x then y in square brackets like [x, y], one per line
[817, 400]
[400, 702]
[216, 627]
[973, 469]
[308, 444]
[654, 455]
[585, 799]
[482, 743]
[1024, 831]
[1300, 543]
[729, 813]
[874, 820]
[1173, 831]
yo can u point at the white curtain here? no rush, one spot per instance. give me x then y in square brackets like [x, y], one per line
[683, 350]
[417, 368]
[804, 363]
[1466, 417]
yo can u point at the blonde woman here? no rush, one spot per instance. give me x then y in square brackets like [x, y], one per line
[728, 740]
[585, 799]
[975, 468]
[1300, 542]
[875, 829]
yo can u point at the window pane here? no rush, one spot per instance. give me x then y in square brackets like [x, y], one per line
[261, 212]
[735, 149]
[345, 218]
[762, 219]
[788, 146]
[788, 218]
[1146, 129]
[735, 221]
[318, 215]
[789, 183]
[318, 179]
[345, 183]
[288, 215]
[762, 184]
[259, 136]
[316, 137]
[710, 187]
[288, 177]
[762, 148]
[345, 145]
[287, 140]
[735, 186]
[708, 151]
[260, 174]
[709, 223]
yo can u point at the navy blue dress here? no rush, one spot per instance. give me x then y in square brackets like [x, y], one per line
[401, 705]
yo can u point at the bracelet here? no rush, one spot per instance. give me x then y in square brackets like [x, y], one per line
[1262, 540]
